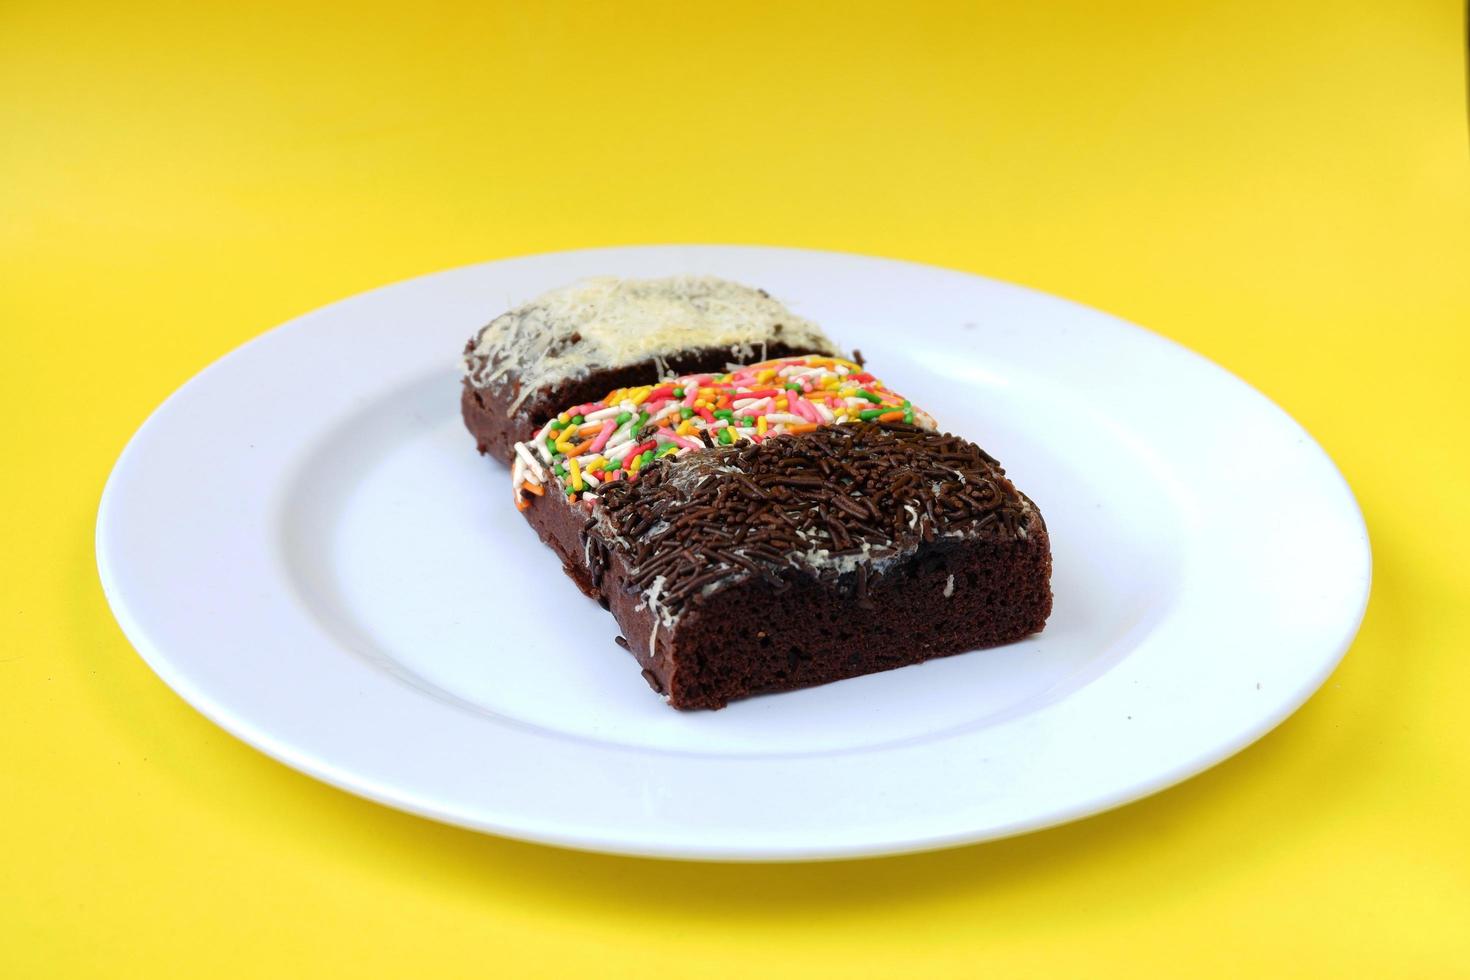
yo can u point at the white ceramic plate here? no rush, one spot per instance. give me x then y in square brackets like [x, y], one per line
[303, 543]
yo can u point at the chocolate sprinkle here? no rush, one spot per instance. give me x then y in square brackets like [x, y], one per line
[828, 502]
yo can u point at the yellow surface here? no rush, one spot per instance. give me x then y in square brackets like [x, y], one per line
[1284, 187]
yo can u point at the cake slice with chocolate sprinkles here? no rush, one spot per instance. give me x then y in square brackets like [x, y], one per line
[782, 525]
[574, 344]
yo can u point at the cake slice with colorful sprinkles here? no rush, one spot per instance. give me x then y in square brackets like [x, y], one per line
[614, 438]
[782, 525]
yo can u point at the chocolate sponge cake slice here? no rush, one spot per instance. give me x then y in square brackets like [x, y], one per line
[798, 524]
[575, 344]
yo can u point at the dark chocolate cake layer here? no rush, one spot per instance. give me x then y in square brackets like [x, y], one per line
[806, 558]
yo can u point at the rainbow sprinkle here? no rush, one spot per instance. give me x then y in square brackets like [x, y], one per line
[615, 438]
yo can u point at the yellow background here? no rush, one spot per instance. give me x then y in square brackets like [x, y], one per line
[1284, 187]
